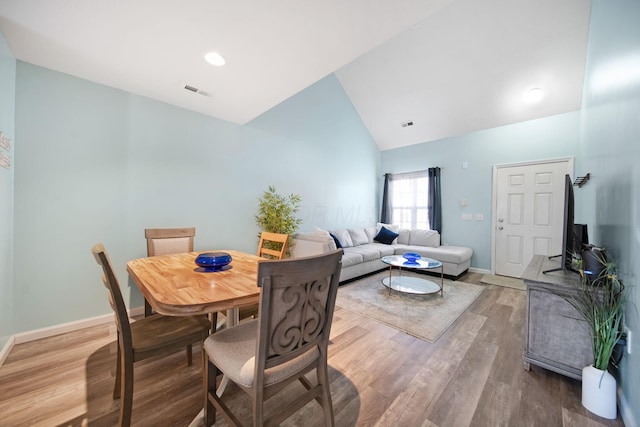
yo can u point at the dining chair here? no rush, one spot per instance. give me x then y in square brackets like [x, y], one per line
[288, 339]
[150, 336]
[271, 246]
[166, 241]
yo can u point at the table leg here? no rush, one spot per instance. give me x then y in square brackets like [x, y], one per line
[390, 268]
[442, 280]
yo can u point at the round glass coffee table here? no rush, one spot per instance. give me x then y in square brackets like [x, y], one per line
[410, 284]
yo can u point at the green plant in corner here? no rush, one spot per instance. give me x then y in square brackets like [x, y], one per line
[601, 302]
[277, 213]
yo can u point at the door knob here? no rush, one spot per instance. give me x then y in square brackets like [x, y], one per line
[500, 228]
[500, 220]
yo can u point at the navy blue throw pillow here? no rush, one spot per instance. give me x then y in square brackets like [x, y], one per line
[335, 239]
[385, 236]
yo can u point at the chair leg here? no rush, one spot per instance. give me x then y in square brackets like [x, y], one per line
[209, 374]
[327, 406]
[126, 391]
[148, 310]
[213, 317]
[258, 407]
[116, 387]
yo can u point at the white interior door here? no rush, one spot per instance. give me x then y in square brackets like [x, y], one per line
[529, 213]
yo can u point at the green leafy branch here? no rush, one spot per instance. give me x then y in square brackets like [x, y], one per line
[277, 214]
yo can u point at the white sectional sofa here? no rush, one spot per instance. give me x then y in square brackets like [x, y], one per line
[362, 253]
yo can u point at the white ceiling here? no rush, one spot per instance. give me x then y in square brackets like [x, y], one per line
[450, 66]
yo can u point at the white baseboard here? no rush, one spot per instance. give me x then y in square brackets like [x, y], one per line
[479, 270]
[7, 349]
[136, 311]
[625, 410]
[51, 331]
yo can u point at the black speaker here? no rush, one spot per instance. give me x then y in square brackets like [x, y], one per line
[593, 264]
[580, 238]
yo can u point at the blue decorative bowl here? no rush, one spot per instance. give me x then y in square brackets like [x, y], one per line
[213, 261]
[411, 257]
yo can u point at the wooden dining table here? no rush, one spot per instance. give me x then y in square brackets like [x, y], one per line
[175, 286]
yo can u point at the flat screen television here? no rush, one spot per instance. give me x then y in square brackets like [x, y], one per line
[567, 229]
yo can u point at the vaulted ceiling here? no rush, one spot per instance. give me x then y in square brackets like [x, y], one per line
[448, 66]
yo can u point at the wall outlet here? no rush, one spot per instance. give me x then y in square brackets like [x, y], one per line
[467, 217]
[479, 217]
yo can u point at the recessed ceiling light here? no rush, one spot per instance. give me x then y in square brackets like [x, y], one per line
[533, 95]
[214, 58]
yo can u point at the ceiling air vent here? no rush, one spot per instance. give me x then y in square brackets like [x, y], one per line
[407, 124]
[196, 90]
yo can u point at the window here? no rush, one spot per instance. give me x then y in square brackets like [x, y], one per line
[409, 199]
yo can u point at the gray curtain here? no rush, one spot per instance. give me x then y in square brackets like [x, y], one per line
[385, 212]
[435, 205]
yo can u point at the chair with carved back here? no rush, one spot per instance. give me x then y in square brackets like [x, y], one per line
[155, 335]
[288, 339]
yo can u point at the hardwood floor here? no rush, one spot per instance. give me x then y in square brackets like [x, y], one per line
[472, 376]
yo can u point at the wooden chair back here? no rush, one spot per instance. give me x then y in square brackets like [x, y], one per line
[291, 333]
[166, 241]
[272, 245]
[151, 336]
[296, 307]
[115, 295]
[296, 310]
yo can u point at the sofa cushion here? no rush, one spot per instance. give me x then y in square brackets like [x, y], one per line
[371, 233]
[351, 258]
[384, 250]
[358, 236]
[320, 232]
[424, 238]
[367, 252]
[386, 236]
[392, 227]
[344, 237]
[403, 236]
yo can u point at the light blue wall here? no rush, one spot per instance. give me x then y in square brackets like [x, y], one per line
[7, 122]
[99, 164]
[611, 153]
[547, 138]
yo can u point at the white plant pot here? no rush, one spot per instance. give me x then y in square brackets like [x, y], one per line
[599, 392]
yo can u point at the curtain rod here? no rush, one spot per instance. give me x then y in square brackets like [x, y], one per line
[400, 173]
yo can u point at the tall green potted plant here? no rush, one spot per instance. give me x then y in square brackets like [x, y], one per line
[601, 302]
[277, 214]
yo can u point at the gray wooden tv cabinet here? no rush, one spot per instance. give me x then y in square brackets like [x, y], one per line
[556, 335]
